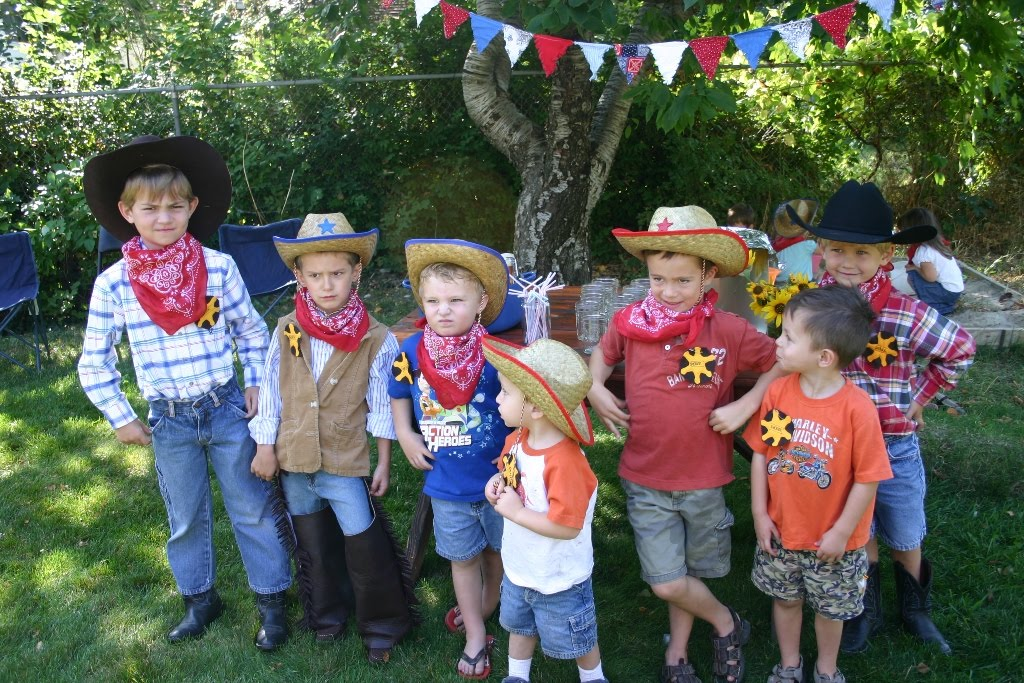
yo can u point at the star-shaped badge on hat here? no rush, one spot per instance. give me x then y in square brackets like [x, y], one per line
[665, 224]
[326, 227]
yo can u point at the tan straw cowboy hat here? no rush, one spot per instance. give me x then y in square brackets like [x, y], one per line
[327, 232]
[784, 225]
[553, 377]
[688, 230]
[488, 265]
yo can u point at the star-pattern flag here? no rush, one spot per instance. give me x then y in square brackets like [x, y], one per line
[550, 49]
[484, 30]
[752, 44]
[667, 57]
[594, 54]
[708, 51]
[454, 17]
[796, 34]
[837, 22]
[630, 57]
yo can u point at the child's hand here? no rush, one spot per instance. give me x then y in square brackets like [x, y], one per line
[252, 401]
[264, 464]
[493, 488]
[832, 545]
[416, 452]
[509, 503]
[610, 408]
[916, 415]
[766, 531]
[381, 480]
[134, 432]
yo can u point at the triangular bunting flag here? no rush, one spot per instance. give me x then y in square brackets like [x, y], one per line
[837, 21]
[422, 7]
[386, 4]
[484, 30]
[454, 17]
[630, 57]
[884, 9]
[796, 34]
[752, 44]
[667, 57]
[551, 49]
[594, 54]
[516, 40]
[708, 51]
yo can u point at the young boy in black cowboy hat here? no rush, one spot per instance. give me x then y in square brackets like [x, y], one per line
[856, 234]
[324, 387]
[184, 306]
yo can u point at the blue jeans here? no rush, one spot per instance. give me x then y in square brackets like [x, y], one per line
[899, 520]
[565, 622]
[932, 293]
[463, 530]
[347, 496]
[188, 437]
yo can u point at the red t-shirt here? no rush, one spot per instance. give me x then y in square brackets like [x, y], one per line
[832, 443]
[671, 391]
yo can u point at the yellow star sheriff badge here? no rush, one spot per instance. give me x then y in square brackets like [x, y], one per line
[293, 335]
[211, 315]
[881, 349]
[776, 428]
[510, 470]
[400, 369]
[696, 363]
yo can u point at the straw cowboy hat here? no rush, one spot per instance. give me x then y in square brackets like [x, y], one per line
[327, 232]
[860, 215]
[688, 230]
[552, 376]
[805, 209]
[104, 177]
[488, 265]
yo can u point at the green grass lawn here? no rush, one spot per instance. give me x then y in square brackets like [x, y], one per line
[86, 594]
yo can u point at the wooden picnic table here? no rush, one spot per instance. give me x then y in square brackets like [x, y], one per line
[563, 328]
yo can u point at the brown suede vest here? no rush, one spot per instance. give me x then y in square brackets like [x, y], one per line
[323, 423]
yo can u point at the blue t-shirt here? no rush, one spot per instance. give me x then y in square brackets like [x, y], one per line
[797, 259]
[463, 440]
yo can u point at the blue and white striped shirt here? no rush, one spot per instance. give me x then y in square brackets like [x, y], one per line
[379, 423]
[182, 366]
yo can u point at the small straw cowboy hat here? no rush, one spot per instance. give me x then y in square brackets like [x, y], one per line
[488, 265]
[552, 376]
[327, 232]
[688, 230]
[784, 226]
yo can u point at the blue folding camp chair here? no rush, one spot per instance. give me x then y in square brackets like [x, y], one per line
[104, 243]
[19, 285]
[252, 248]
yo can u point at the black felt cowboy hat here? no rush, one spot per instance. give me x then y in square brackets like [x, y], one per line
[204, 167]
[860, 215]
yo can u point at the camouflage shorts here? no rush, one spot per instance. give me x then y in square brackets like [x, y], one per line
[833, 589]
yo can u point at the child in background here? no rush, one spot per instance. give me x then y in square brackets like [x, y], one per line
[931, 268]
[793, 245]
[818, 458]
[320, 397]
[184, 307]
[546, 492]
[443, 398]
[682, 356]
[741, 216]
[856, 234]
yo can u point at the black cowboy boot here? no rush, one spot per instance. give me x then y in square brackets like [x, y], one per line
[321, 574]
[856, 631]
[273, 609]
[380, 581]
[916, 605]
[201, 610]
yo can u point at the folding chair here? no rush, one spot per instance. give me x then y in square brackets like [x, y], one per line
[19, 285]
[106, 242]
[252, 248]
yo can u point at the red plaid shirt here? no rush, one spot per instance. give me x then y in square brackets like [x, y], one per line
[919, 331]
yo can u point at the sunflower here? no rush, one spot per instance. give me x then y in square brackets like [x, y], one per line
[773, 310]
[758, 290]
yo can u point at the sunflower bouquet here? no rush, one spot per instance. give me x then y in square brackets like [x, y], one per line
[769, 300]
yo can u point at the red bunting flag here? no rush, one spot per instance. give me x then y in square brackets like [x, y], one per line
[708, 51]
[550, 49]
[386, 4]
[454, 17]
[837, 21]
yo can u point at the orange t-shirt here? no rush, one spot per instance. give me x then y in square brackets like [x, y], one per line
[822, 447]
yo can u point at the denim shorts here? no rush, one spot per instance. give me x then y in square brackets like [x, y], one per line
[462, 530]
[679, 532]
[834, 590]
[565, 622]
[347, 496]
[899, 503]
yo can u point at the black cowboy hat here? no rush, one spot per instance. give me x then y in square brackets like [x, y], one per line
[204, 167]
[860, 215]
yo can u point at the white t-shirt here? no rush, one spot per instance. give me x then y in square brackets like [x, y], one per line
[950, 277]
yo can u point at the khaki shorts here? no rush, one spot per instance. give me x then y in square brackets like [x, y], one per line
[833, 589]
[679, 533]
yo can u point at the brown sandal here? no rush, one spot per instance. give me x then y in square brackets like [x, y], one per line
[682, 672]
[729, 666]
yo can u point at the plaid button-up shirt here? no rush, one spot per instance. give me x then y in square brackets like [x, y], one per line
[919, 332]
[185, 365]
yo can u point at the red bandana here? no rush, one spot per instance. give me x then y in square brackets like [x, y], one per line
[876, 290]
[780, 243]
[452, 365]
[651, 321]
[342, 329]
[170, 283]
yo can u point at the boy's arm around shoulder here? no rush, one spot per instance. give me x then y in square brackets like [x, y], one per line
[730, 417]
[752, 350]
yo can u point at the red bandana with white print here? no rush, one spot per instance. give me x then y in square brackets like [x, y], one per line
[876, 290]
[343, 329]
[452, 365]
[653, 321]
[170, 283]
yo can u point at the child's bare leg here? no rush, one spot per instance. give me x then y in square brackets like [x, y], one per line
[680, 625]
[492, 574]
[828, 633]
[468, 584]
[521, 647]
[788, 617]
[911, 561]
[590, 660]
[689, 594]
[872, 549]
